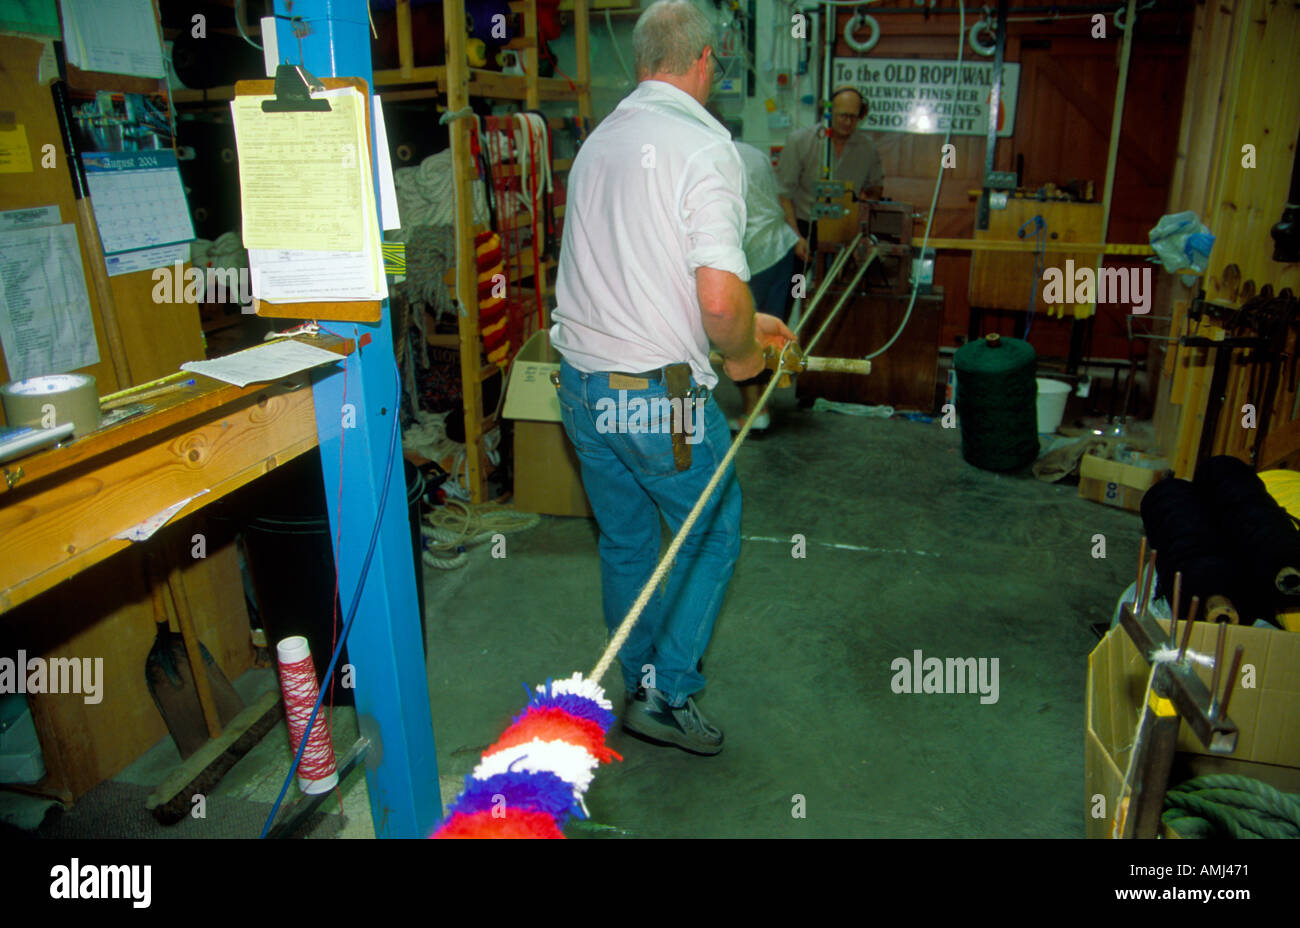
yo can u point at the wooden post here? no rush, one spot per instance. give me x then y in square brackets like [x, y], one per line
[463, 174]
[405, 46]
[1116, 123]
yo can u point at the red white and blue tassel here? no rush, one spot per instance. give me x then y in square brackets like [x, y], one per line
[538, 772]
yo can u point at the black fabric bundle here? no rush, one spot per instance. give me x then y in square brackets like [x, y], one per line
[1227, 537]
[1252, 524]
[1179, 529]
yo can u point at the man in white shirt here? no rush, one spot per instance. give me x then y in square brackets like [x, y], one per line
[651, 270]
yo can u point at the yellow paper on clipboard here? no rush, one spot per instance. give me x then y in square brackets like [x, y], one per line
[303, 176]
[15, 155]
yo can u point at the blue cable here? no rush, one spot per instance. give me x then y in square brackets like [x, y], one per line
[1039, 231]
[352, 609]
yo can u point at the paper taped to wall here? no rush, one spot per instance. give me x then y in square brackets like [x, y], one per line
[45, 321]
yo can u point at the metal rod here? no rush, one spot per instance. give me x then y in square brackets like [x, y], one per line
[831, 274]
[853, 285]
[302, 810]
[1173, 621]
[1148, 582]
[1218, 667]
[1232, 680]
[1187, 630]
[1142, 562]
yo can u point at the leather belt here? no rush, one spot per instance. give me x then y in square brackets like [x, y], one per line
[677, 380]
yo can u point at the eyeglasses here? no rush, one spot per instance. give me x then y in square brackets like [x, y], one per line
[719, 69]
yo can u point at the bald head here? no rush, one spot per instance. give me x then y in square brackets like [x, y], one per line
[847, 109]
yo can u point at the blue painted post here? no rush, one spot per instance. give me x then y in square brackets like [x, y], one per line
[385, 647]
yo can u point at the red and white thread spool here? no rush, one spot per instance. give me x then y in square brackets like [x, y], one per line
[316, 771]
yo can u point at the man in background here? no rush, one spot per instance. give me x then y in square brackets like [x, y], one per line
[854, 158]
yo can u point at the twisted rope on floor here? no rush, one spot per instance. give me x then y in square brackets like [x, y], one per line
[1236, 806]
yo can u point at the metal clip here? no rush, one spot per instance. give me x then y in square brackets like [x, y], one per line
[555, 378]
[13, 476]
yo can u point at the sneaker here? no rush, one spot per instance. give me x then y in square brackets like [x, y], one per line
[650, 716]
[761, 422]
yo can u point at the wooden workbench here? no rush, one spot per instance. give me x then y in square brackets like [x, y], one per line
[68, 588]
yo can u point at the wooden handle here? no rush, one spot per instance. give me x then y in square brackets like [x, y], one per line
[838, 365]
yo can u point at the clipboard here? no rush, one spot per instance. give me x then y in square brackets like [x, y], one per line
[370, 311]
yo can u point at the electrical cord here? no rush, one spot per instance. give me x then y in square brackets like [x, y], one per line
[938, 183]
[1039, 232]
[356, 599]
[239, 24]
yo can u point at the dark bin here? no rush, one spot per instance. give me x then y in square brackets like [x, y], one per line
[290, 558]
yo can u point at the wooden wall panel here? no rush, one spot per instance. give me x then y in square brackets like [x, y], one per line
[1243, 77]
[33, 108]
[157, 338]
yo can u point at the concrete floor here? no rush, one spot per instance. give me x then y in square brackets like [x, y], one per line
[908, 547]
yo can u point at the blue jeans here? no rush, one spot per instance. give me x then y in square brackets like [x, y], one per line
[631, 479]
[772, 287]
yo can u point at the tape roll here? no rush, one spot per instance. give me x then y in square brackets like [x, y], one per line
[53, 399]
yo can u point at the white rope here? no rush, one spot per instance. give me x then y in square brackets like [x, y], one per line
[666, 562]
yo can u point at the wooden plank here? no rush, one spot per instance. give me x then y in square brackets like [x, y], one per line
[405, 45]
[457, 84]
[1001, 281]
[53, 529]
[531, 57]
[429, 74]
[169, 412]
[1094, 111]
[1132, 152]
[210, 754]
[1021, 245]
[582, 46]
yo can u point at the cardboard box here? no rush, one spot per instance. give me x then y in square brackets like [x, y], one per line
[548, 478]
[1267, 715]
[1118, 484]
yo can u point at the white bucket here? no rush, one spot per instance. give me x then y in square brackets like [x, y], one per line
[1052, 395]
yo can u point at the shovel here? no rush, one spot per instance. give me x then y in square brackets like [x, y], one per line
[179, 688]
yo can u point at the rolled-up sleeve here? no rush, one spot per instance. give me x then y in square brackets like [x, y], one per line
[713, 211]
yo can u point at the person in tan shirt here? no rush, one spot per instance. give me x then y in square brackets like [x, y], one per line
[855, 160]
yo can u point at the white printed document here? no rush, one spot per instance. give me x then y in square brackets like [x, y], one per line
[271, 361]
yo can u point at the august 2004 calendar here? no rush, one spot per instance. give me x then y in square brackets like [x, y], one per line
[138, 199]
